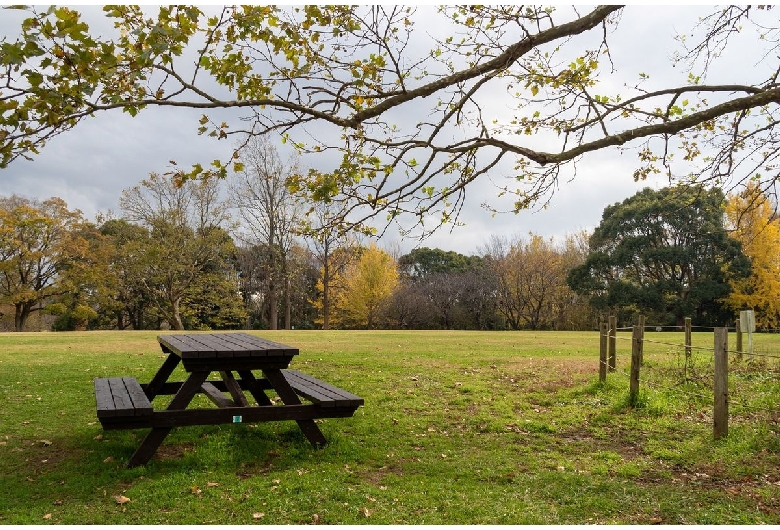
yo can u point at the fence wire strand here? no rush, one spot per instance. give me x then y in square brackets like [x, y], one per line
[734, 390]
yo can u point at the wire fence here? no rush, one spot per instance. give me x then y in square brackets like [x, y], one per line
[687, 370]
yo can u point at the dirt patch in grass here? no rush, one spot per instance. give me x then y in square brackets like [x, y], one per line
[173, 451]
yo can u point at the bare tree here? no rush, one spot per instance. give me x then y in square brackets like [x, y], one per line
[271, 216]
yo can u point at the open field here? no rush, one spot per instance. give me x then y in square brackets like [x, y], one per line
[458, 427]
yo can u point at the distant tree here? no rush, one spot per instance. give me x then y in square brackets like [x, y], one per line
[212, 301]
[91, 285]
[39, 242]
[368, 283]
[752, 221]
[532, 289]
[425, 261]
[333, 249]
[303, 273]
[132, 305]
[270, 215]
[185, 240]
[575, 311]
[453, 286]
[410, 308]
[664, 252]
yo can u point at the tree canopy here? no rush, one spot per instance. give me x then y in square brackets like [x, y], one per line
[663, 251]
[407, 114]
[752, 218]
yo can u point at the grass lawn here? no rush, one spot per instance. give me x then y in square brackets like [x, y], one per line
[458, 428]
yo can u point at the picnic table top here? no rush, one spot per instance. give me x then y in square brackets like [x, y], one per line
[223, 345]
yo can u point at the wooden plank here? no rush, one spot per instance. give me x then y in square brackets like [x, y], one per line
[311, 392]
[236, 364]
[313, 384]
[258, 346]
[234, 388]
[186, 346]
[173, 342]
[122, 402]
[215, 346]
[103, 400]
[217, 397]
[301, 413]
[256, 387]
[158, 381]
[228, 342]
[141, 405]
[198, 346]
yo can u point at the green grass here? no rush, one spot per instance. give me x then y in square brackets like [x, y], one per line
[458, 427]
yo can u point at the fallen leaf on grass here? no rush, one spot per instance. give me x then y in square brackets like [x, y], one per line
[315, 519]
[108, 460]
[98, 437]
[367, 512]
[121, 499]
[47, 516]
[258, 515]
[195, 490]
[212, 484]
[45, 443]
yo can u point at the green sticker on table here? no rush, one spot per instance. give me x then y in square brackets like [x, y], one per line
[237, 419]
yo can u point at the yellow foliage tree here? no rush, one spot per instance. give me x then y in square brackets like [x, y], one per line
[750, 216]
[367, 283]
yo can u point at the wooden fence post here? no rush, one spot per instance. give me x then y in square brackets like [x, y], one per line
[721, 413]
[641, 337]
[612, 342]
[688, 343]
[636, 361]
[739, 341]
[603, 352]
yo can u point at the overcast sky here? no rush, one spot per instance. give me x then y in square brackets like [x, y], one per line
[90, 165]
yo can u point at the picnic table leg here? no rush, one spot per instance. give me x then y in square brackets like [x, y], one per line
[254, 387]
[156, 436]
[162, 375]
[289, 397]
[234, 388]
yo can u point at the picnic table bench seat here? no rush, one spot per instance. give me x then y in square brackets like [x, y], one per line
[121, 403]
[320, 392]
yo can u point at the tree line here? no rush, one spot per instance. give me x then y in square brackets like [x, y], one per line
[192, 255]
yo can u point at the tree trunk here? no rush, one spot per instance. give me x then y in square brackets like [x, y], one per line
[177, 323]
[325, 295]
[287, 304]
[20, 316]
[273, 310]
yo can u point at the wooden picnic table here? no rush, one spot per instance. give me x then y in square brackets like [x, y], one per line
[123, 403]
